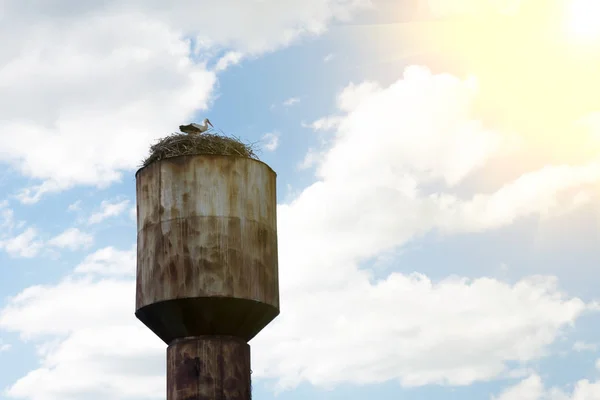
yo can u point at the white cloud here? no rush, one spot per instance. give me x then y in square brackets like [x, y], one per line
[88, 88]
[352, 95]
[109, 261]
[311, 158]
[584, 390]
[414, 125]
[106, 86]
[32, 319]
[580, 346]
[108, 209]
[422, 342]
[105, 352]
[33, 194]
[26, 244]
[532, 388]
[271, 141]
[291, 101]
[4, 346]
[535, 192]
[93, 347]
[73, 239]
[7, 217]
[76, 206]
[229, 59]
[253, 27]
[325, 123]
[393, 141]
[118, 362]
[328, 57]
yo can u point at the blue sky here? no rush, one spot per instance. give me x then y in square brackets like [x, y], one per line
[438, 182]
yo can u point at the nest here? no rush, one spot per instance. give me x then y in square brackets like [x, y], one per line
[183, 144]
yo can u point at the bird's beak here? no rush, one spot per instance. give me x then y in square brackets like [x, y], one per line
[209, 123]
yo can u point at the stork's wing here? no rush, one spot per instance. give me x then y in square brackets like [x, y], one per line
[188, 128]
[185, 128]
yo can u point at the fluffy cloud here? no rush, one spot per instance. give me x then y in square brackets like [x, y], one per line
[87, 87]
[254, 28]
[400, 155]
[94, 349]
[532, 388]
[411, 329]
[36, 311]
[87, 96]
[115, 362]
[271, 141]
[29, 243]
[583, 346]
[420, 124]
[229, 59]
[73, 239]
[4, 346]
[26, 244]
[109, 261]
[7, 216]
[76, 206]
[108, 209]
[291, 101]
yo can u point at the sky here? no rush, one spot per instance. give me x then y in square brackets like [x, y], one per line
[438, 185]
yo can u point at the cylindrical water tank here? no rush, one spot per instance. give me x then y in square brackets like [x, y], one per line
[207, 247]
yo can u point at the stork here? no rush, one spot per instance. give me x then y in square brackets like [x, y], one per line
[193, 128]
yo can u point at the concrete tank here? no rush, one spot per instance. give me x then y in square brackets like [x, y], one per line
[207, 272]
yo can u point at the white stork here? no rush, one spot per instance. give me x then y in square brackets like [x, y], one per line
[193, 128]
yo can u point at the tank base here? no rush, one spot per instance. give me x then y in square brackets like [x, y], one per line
[208, 368]
[206, 316]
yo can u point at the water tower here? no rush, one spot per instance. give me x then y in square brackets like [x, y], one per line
[207, 272]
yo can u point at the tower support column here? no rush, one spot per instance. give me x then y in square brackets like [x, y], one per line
[208, 368]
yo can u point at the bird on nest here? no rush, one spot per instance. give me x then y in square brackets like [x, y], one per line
[194, 129]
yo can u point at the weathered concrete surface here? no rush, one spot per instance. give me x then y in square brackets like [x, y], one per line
[208, 368]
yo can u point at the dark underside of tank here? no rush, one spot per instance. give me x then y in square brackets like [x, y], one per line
[201, 316]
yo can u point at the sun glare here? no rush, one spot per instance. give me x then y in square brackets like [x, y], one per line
[583, 21]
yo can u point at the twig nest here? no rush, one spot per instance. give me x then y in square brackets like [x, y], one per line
[181, 144]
